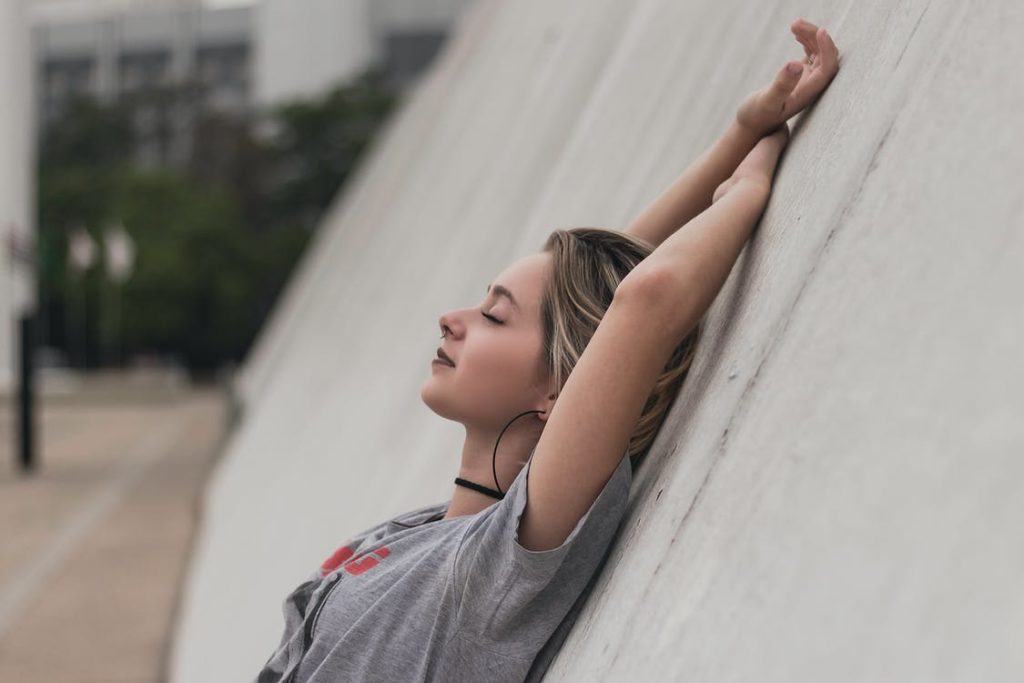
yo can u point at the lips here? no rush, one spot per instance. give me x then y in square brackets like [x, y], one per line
[444, 356]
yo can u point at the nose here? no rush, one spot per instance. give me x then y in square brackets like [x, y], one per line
[454, 323]
[448, 325]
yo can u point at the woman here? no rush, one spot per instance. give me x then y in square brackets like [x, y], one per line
[583, 346]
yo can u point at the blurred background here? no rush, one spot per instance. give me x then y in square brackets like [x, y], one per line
[186, 152]
[163, 167]
[229, 229]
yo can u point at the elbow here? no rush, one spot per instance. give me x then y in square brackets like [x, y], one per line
[647, 283]
[667, 296]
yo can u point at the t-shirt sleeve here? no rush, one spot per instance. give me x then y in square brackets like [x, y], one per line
[498, 580]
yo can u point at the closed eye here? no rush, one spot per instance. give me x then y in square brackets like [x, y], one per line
[491, 318]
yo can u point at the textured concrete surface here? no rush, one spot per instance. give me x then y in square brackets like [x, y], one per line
[96, 542]
[836, 493]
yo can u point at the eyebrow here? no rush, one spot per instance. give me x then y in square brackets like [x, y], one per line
[500, 290]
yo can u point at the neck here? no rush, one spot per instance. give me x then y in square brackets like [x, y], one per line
[477, 453]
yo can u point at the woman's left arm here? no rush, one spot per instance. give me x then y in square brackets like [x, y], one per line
[762, 112]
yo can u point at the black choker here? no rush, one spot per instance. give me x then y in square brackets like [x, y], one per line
[499, 494]
[477, 487]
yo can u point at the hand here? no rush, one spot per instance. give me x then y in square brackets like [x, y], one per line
[759, 164]
[796, 85]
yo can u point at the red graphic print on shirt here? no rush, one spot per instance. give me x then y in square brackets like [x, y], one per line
[332, 562]
[343, 557]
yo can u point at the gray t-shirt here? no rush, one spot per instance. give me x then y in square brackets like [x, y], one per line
[419, 598]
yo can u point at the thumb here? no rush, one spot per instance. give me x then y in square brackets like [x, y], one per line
[785, 80]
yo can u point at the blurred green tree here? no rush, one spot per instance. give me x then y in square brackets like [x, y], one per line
[216, 238]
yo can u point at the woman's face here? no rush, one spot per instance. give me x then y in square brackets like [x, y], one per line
[498, 370]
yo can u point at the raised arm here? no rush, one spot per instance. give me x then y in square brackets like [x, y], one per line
[653, 308]
[763, 111]
[690, 193]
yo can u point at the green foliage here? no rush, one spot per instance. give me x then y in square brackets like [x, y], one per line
[88, 135]
[316, 143]
[215, 240]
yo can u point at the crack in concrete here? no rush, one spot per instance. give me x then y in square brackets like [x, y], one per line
[911, 36]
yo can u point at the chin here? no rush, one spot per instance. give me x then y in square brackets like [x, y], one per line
[436, 403]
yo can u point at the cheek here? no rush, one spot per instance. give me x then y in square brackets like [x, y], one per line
[502, 367]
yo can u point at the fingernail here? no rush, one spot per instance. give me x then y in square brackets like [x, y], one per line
[794, 68]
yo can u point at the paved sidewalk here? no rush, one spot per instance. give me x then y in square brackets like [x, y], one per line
[95, 543]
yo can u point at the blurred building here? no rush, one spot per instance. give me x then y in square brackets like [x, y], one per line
[16, 188]
[305, 46]
[169, 58]
[224, 56]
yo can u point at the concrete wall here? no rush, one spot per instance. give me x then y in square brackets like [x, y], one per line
[836, 493]
[17, 211]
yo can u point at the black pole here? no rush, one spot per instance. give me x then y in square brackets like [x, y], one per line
[26, 392]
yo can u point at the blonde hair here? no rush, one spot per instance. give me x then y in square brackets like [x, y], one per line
[587, 266]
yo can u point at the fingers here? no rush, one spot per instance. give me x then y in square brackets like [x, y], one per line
[805, 32]
[829, 52]
[819, 47]
[817, 43]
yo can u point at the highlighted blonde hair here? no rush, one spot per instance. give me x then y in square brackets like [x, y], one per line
[587, 266]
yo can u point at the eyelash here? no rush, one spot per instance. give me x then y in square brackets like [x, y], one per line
[491, 318]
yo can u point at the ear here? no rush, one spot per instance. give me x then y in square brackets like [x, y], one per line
[545, 388]
[546, 405]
